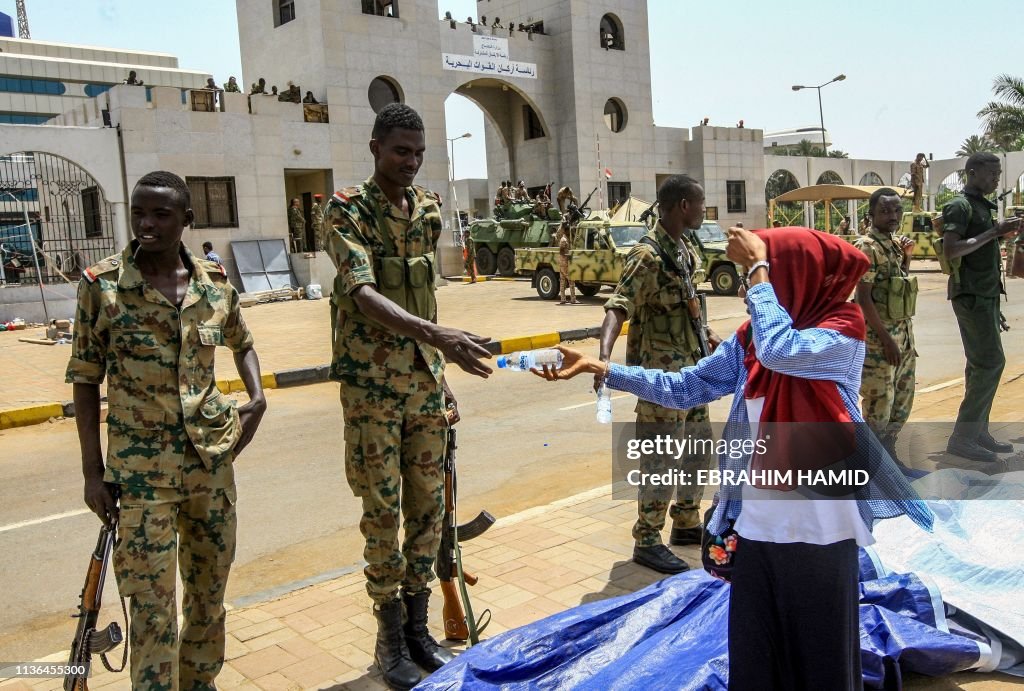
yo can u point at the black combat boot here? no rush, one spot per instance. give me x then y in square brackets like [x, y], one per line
[391, 654]
[422, 647]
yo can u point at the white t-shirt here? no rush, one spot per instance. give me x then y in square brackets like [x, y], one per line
[768, 516]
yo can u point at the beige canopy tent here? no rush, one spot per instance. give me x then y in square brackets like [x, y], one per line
[828, 194]
[630, 210]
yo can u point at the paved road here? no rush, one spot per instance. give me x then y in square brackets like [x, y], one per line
[524, 443]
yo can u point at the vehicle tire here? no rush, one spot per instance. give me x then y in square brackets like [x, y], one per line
[506, 261]
[547, 283]
[485, 262]
[588, 289]
[724, 280]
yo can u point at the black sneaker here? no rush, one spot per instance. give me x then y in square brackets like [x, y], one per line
[987, 441]
[680, 537]
[660, 559]
[970, 449]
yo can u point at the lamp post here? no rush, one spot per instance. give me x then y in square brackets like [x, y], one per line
[821, 113]
[451, 177]
[35, 252]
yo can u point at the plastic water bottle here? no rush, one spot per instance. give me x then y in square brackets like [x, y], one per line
[604, 405]
[528, 359]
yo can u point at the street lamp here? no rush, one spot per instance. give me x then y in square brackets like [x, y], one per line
[35, 252]
[821, 114]
[451, 177]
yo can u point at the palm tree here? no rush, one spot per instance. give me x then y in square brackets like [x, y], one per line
[837, 153]
[1004, 118]
[805, 147]
[974, 144]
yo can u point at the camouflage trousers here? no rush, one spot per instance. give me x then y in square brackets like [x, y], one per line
[394, 448]
[469, 266]
[564, 280]
[653, 501]
[888, 391]
[192, 528]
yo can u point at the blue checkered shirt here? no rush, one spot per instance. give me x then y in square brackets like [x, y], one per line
[806, 353]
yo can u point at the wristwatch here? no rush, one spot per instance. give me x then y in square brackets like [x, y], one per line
[757, 265]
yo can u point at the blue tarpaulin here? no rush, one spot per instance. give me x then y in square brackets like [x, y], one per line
[673, 634]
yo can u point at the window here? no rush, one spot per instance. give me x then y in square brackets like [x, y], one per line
[611, 33]
[213, 201]
[618, 192]
[381, 8]
[91, 212]
[736, 196]
[382, 91]
[532, 128]
[284, 11]
[93, 90]
[615, 115]
[24, 118]
[46, 87]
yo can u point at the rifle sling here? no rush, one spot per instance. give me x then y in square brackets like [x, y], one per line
[668, 260]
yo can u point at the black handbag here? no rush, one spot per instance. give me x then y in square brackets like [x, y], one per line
[718, 552]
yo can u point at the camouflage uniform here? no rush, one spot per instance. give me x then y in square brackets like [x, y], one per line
[316, 218]
[888, 391]
[469, 257]
[296, 228]
[917, 183]
[170, 441]
[391, 391]
[661, 337]
[232, 87]
[564, 253]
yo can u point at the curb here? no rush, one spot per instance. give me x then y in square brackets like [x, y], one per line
[300, 376]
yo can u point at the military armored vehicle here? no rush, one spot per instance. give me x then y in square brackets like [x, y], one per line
[599, 249]
[496, 239]
[723, 274]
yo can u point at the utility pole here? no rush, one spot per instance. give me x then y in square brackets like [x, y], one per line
[23, 31]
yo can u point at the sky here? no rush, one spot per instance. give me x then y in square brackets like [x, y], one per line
[910, 86]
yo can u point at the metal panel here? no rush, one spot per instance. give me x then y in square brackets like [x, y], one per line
[263, 264]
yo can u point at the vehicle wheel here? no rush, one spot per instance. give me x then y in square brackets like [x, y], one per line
[485, 262]
[588, 289]
[547, 283]
[506, 261]
[724, 280]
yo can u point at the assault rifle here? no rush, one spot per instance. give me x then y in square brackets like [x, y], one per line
[695, 302]
[647, 213]
[575, 213]
[459, 624]
[88, 641]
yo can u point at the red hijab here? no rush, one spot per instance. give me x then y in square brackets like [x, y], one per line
[813, 275]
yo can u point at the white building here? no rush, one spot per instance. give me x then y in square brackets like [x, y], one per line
[568, 101]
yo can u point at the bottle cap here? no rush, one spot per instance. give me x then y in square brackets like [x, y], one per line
[502, 362]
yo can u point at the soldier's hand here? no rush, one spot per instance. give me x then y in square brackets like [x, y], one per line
[907, 245]
[451, 406]
[101, 499]
[1010, 226]
[892, 351]
[464, 349]
[714, 340]
[573, 362]
[249, 416]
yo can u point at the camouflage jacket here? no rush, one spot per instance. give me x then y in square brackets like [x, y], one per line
[295, 218]
[366, 228]
[886, 257]
[652, 296]
[158, 363]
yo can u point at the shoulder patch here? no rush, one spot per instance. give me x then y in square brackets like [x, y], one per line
[427, 194]
[346, 195]
[212, 268]
[106, 266]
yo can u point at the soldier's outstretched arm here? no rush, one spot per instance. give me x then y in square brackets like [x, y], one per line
[611, 327]
[99, 496]
[461, 347]
[249, 415]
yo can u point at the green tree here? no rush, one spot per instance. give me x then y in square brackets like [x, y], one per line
[805, 147]
[837, 153]
[974, 144]
[1004, 117]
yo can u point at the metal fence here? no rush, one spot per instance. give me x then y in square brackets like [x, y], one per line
[70, 219]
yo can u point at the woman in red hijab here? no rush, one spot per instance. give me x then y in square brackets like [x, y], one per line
[794, 372]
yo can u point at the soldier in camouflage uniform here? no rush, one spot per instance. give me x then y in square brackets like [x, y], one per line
[564, 253]
[651, 295]
[388, 352]
[887, 294]
[149, 321]
[316, 218]
[296, 226]
[231, 87]
[469, 256]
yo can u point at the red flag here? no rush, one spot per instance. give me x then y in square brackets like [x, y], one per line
[608, 173]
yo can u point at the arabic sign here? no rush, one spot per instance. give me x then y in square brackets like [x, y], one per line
[490, 56]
